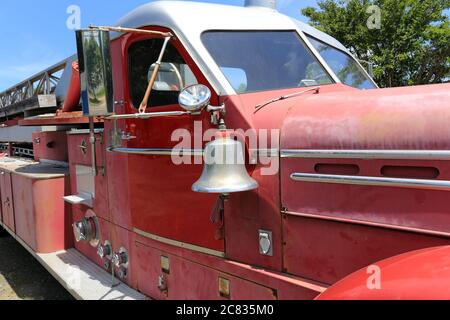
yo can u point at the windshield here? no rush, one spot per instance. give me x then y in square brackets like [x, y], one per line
[264, 60]
[344, 66]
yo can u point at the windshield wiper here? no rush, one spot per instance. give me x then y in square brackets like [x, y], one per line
[262, 105]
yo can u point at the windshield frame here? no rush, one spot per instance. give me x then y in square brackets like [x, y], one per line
[302, 38]
[346, 53]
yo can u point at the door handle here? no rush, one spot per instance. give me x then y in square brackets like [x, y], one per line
[127, 136]
[83, 147]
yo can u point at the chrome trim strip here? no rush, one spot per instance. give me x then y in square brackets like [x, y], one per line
[367, 154]
[373, 181]
[369, 224]
[157, 152]
[264, 152]
[74, 132]
[186, 152]
[148, 115]
[180, 244]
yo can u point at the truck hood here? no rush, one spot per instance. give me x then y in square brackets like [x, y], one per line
[359, 221]
[396, 118]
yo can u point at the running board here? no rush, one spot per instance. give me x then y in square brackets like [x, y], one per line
[83, 279]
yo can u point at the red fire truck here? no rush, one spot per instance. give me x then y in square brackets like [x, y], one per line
[116, 171]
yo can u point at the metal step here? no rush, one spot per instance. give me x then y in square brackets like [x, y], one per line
[83, 279]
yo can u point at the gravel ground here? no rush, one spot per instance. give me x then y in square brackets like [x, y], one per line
[22, 277]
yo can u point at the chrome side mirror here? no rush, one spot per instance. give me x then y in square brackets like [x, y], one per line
[195, 97]
[94, 59]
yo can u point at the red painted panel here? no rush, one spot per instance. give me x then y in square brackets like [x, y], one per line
[391, 119]
[418, 275]
[327, 251]
[122, 238]
[50, 146]
[118, 189]
[148, 269]
[147, 261]
[117, 164]
[24, 208]
[424, 209]
[7, 201]
[52, 215]
[76, 154]
[266, 211]
[162, 202]
[246, 214]
[183, 280]
[41, 218]
[77, 157]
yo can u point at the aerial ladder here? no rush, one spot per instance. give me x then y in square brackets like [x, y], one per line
[47, 101]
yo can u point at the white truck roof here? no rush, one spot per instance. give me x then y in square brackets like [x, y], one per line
[188, 20]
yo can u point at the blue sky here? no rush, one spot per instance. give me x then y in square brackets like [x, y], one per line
[34, 33]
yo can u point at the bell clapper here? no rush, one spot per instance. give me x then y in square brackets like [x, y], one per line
[218, 216]
[218, 212]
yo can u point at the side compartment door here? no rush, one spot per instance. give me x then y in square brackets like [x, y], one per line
[7, 200]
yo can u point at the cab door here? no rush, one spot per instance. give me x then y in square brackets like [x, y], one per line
[161, 200]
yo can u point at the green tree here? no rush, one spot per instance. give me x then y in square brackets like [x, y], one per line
[410, 46]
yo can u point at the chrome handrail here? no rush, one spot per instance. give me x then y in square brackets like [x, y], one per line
[366, 154]
[372, 181]
[168, 152]
[149, 115]
[157, 152]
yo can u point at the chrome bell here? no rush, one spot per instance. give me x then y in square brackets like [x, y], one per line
[224, 170]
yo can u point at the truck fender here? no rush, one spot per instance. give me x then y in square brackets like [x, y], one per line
[416, 275]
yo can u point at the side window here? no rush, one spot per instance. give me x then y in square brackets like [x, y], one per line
[345, 67]
[174, 74]
[237, 78]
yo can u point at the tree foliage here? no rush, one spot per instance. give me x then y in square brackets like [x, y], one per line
[411, 46]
